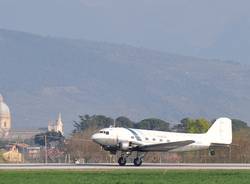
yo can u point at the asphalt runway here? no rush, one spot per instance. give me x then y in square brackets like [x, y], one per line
[105, 166]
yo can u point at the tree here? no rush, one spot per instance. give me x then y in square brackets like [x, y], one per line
[153, 124]
[123, 121]
[51, 137]
[197, 126]
[93, 122]
[80, 146]
[82, 124]
[182, 127]
[189, 125]
[238, 124]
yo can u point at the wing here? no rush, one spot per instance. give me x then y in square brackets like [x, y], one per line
[164, 146]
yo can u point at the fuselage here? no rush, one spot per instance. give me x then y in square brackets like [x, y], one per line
[112, 137]
[128, 140]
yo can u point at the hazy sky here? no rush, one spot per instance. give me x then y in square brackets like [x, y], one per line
[207, 28]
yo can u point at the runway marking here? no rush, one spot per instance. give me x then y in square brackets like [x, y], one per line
[105, 166]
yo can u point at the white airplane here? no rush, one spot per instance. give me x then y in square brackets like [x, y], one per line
[128, 140]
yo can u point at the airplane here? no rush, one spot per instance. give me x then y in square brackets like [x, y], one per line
[128, 140]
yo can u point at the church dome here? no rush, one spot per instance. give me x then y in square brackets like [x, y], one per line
[4, 109]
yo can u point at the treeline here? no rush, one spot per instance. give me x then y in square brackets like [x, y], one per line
[101, 121]
[186, 125]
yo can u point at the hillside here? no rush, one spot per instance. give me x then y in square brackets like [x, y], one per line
[41, 76]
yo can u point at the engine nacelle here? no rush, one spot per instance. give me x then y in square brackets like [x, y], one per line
[125, 146]
[111, 149]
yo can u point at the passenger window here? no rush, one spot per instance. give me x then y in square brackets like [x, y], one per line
[146, 139]
[153, 139]
[132, 137]
[107, 133]
[160, 140]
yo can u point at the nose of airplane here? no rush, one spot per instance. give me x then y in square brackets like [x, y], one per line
[96, 137]
[103, 139]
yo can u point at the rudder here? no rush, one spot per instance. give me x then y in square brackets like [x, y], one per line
[220, 132]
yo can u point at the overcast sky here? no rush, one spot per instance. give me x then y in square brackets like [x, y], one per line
[206, 28]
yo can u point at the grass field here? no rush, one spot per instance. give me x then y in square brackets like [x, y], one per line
[125, 176]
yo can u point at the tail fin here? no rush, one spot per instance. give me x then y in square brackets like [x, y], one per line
[220, 132]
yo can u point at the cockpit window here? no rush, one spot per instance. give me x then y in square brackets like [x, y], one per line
[104, 132]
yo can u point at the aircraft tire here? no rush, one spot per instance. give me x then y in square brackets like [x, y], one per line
[122, 161]
[211, 152]
[137, 161]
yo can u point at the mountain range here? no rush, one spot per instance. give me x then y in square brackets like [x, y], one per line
[41, 76]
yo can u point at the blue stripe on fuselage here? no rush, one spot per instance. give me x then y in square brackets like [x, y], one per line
[135, 134]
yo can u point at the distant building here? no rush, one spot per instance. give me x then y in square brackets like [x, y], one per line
[5, 118]
[58, 126]
[13, 155]
[23, 134]
[6, 132]
[33, 152]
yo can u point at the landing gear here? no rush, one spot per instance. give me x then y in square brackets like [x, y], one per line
[139, 158]
[137, 161]
[211, 152]
[122, 161]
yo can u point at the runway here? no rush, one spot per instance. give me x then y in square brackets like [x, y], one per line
[105, 166]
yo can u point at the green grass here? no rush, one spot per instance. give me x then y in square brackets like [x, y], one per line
[125, 177]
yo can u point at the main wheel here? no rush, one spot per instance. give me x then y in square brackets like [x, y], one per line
[122, 161]
[211, 152]
[137, 161]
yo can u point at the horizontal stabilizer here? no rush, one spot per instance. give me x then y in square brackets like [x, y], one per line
[218, 145]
